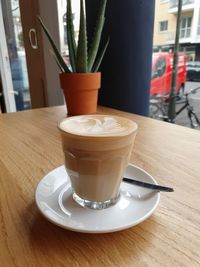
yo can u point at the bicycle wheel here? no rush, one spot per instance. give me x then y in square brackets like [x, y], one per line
[194, 120]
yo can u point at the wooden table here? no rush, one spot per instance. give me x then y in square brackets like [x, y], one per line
[30, 147]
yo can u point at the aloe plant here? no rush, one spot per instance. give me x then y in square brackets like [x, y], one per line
[82, 59]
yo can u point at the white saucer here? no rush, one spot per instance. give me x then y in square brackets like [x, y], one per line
[54, 200]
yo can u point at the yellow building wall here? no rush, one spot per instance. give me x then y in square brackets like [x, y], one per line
[161, 14]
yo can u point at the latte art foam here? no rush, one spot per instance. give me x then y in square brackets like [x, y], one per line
[97, 125]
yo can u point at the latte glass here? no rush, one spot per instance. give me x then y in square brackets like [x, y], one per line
[97, 150]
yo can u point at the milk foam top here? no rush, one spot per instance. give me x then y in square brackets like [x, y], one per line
[98, 125]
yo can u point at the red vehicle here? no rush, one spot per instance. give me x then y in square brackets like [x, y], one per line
[162, 65]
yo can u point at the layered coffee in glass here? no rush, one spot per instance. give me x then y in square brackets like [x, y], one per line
[97, 150]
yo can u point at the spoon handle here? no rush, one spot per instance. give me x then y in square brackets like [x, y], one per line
[147, 185]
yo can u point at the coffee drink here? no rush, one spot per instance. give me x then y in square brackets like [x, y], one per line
[97, 149]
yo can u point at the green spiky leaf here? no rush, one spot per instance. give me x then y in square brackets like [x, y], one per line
[57, 53]
[81, 59]
[100, 57]
[97, 35]
[71, 37]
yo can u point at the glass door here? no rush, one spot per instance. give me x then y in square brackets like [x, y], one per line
[13, 68]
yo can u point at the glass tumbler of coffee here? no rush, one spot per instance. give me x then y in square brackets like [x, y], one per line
[97, 150]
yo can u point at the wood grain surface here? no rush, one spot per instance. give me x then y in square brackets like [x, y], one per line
[30, 147]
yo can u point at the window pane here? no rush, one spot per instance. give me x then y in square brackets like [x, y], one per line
[183, 23]
[189, 21]
[182, 33]
[163, 25]
[188, 32]
[16, 53]
[185, 27]
[198, 30]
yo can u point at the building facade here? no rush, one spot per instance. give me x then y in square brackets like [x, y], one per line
[165, 27]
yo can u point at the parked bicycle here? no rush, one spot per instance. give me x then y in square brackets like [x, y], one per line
[158, 108]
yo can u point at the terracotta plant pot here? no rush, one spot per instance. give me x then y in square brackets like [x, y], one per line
[81, 92]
